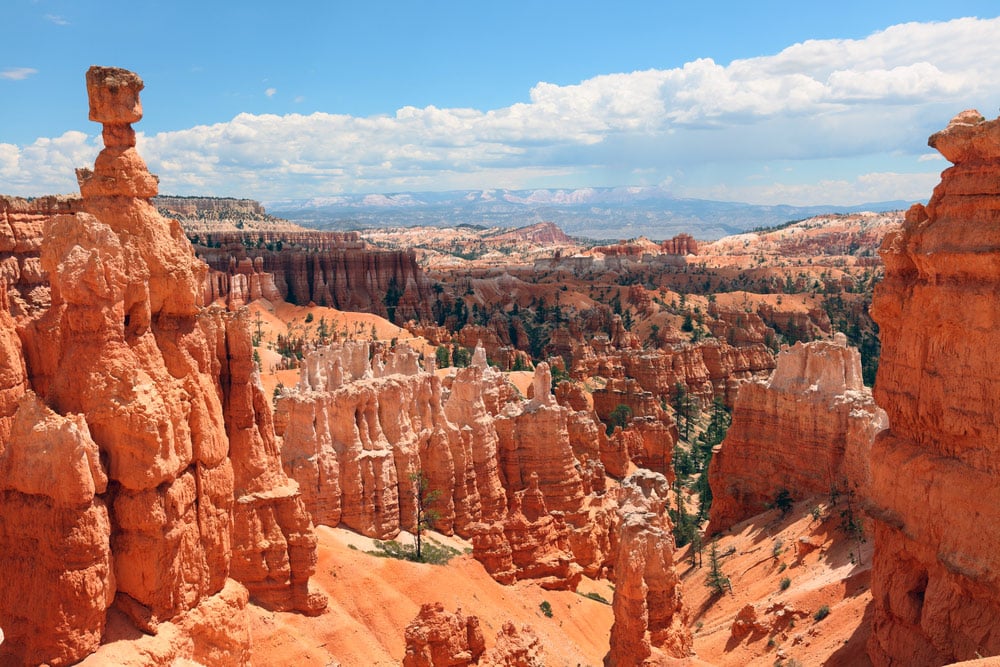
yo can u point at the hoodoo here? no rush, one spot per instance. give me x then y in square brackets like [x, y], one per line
[936, 573]
[167, 488]
[807, 431]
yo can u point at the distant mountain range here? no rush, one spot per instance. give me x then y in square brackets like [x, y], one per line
[598, 213]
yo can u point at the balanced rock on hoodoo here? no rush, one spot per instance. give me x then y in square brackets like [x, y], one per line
[935, 497]
[141, 468]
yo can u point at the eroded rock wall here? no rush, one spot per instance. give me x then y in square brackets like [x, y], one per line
[808, 430]
[936, 570]
[328, 269]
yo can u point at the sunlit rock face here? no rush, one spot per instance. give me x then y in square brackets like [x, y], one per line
[936, 572]
[808, 430]
[139, 464]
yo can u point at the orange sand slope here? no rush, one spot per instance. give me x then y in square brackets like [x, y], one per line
[373, 599]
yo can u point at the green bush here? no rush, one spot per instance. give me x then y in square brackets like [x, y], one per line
[546, 608]
[821, 613]
[433, 552]
[785, 583]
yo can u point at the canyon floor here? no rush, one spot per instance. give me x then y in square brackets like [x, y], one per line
[373, 599]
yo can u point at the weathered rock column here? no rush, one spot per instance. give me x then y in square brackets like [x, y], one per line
[936, 570]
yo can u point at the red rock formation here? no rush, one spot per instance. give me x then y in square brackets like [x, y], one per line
[650, 620]
[50, 475]
[807, 430]
[436, 638]
[682, 244]
[21, 224]
[530, 543]
[514, 648]
[125, 362]
[936, 570]
[331, 269]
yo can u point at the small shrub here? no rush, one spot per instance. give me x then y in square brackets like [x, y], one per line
[782, 567]
[309, 318]
[546, 608]
[785, 583]
[777, 548]
[816, 512]
[783, 501]
[821, 613]
[597, 597]
[433, 552]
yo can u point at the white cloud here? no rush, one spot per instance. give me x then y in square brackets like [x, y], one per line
[56, 19]
[17, 73]
[862, 100]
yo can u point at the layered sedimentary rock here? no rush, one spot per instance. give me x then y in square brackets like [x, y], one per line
[807, 431]
[127, 364]
[650, 620]
[21, 225]
[331, 269]
[707, 369]
[936, 569]
[356, 436]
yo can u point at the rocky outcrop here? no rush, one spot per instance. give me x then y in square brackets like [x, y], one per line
[515, 648]
[682, 244]
[936, 569]
[333, 269]
[21, 225]
[137, 429]
[436, 638]
[50, 478]
[650, 620]
[356, 436]
[808, 430]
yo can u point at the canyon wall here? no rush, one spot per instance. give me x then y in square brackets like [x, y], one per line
[138, 449]
[333, 269]
[807, 431]
[208, 208]
[936, 572]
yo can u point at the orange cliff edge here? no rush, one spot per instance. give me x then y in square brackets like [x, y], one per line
[936, 573]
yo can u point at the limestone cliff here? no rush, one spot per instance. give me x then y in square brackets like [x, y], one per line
[806, 431]
[129, 446]
[936, 572]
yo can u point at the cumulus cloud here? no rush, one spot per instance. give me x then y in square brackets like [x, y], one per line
[817, 100]
[17, 73]
[271, 92]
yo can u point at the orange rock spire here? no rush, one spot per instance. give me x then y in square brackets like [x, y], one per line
[936, 571]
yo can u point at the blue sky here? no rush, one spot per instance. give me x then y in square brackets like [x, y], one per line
[769, 102]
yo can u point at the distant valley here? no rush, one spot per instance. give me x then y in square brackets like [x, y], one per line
[597, 213]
